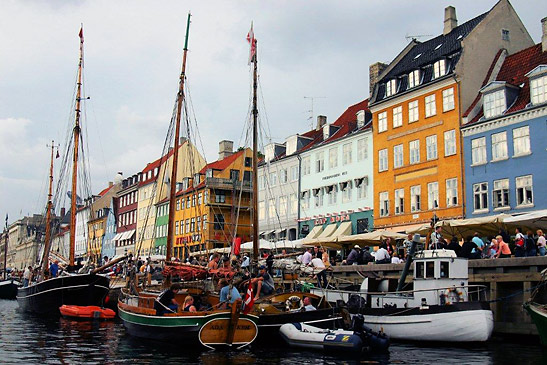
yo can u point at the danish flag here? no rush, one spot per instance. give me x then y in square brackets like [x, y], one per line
[249, 299]
[252, 42]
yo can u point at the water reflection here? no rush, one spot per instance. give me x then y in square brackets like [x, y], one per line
[32, 340]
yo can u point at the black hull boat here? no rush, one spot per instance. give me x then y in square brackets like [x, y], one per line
[47, 296]
[8, 289]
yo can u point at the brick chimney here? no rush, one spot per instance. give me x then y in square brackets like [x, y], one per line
[225, 149]
[321, 121]
[450, 20]
[374, 72]
[544, 34]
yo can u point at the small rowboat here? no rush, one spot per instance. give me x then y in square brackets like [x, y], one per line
[86, 312]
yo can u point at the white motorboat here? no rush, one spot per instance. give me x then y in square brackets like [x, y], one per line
[441, 306]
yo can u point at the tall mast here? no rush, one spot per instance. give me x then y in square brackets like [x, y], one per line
[47, 242]
[173, 181]
[76, 132]
[255, 157]
[6, 232]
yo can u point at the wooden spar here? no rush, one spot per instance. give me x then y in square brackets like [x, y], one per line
[110, 263]
[255, 162]
[76, 132]
[47, 241]
[173, 181]
[6, 230]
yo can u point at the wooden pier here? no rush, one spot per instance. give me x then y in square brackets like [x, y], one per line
[509, 281]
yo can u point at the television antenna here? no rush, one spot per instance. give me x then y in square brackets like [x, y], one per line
[417, 36]
[312, 98]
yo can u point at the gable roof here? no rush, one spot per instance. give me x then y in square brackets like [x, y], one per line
[222, 164]
[423, 55]
[513, 72]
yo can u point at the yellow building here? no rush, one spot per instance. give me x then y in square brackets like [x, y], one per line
[215, 205]
[96, 224]
[417, 101]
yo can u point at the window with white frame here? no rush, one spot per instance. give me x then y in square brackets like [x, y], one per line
[320, 161]
[413, 113]
[414, 78]
[500, 194]
[176, 227]
[494, 103]
[261, 182]
[305, 199]
[397, 116]
[414, 151]
[273, 178]
[450, 142]
[293, 204]
[192, 225]
[399, 201]
[294, 173]
[439, 69]
[397, 156]
[204, 221]
[432, 195]
[451, 192]
[415, 198]
[283, 176]
[478, 151]
[318, 196]
[382, 122]
[198, 223]
[271, 208]
[391, 87]
[430, 107]
[346, 191]
[382, 160]
[499, 146]
[480, 196]
[538, 90]
[333, 157]
[362, 149]
[332, 193]
[306, 166]
[448, 99]
[347, 157]
[431, 147]
[187, 225]
[384, 204]
[361, 185]
[524, 190]
[521, 141]
[261, 210]
[282, 206]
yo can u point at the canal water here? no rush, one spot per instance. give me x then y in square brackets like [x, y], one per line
[26, 339]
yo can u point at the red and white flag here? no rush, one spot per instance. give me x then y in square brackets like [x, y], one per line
[81, 34]
[252, 42]
[249, 299]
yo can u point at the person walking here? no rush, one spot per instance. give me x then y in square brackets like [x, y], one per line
[542, 242]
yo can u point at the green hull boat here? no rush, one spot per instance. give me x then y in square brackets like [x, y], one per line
[538, 312]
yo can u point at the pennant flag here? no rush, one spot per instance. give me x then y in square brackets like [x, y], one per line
[57, 156]
[249, 299]
[252, 42]
[81, 34]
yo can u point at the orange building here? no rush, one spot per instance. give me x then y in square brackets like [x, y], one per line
[416, 104]
[215, 205]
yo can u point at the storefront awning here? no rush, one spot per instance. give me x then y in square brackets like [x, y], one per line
[315, 232]
[344, 229]
[118, 236]
[327, 232]
[127, 235]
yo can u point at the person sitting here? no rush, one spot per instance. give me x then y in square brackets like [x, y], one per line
[395, 259]
[307, 304]
[467, 247]
[353, 257]
[503, 248]
[166, 302]
[213, 264]
[382, 256]
[227, 295]
[454, 245]
[478, 252]
[321, 271]
[306, 257]
[366, 257]
[188, 305]
[264, 283]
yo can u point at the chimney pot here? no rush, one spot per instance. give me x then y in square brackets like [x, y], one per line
[544, 34]
[374, 71]
[225, 149]
[450, 20]
[321, 121]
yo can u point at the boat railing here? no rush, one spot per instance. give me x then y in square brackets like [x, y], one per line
[467, 293]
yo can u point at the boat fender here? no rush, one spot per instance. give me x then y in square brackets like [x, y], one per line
[294, 303]
[455, 293]
[342, 342]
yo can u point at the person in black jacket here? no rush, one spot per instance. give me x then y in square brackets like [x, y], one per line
[454, 245]
[467, 247]
[366, 257]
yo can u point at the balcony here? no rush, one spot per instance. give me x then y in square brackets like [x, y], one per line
[227, 184]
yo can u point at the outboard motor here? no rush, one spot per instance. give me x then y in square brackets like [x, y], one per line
[377, 342]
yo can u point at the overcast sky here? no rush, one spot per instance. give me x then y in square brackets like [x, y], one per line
[133, 53]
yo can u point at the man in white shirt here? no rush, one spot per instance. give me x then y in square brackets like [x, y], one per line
[382, 256]
[307, 304]
[320, 271]
[306, 258]
[27, 274]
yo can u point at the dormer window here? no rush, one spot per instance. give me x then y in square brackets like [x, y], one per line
[538, 84]
[391, 87]
[414, 79]
[439, 69]
[494, 103]
[360, 119]
[326, 132]
[209, 173]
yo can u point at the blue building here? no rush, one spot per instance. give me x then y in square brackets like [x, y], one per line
[505, 137]
[109, 245]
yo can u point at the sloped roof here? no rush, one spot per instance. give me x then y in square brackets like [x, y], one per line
[222, 164]
[513, 72]
[102, 193]
[424, 54]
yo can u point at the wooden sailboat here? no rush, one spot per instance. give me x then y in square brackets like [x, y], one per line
[211, 327]
[46, 296]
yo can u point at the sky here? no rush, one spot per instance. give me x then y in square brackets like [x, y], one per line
[133, 54]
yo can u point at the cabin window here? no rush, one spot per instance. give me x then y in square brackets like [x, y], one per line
[430, 269]
[419, 270]
[444, 269]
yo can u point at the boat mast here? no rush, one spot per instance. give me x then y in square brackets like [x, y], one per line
[173, 181]
[76, 132]
[47, 241]
[6, 231]
[255, 156]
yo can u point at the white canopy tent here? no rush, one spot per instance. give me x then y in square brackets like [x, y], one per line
[532, 220]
